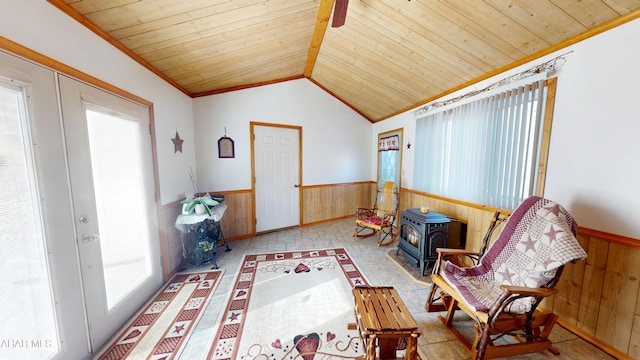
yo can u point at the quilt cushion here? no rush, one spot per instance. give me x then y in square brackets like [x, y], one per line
[374, 220]
[538, 238]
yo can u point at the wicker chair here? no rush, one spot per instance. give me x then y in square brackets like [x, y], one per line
[381, 219]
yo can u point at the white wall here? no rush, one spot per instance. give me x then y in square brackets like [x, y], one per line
[594, 160]
[41, 27]
[594, 166]
[335, 140]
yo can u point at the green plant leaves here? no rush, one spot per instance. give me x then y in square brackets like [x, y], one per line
[204, 200]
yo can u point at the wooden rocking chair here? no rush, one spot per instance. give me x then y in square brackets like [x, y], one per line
[503, 290]
[381, 219]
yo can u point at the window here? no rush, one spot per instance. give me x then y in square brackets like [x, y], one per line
[27, 317]
[118, 178]
[390, 157]
[486, 151]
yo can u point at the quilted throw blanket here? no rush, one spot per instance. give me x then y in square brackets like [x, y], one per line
[538, 238]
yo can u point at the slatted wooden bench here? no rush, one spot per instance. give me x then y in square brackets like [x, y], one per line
[382, 319]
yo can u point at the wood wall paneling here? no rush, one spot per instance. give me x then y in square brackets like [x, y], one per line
[238, 219]
[170, 239]
[567, 300]
[328, 202]
[619, 296]
[235, 224]
[634, 344]
[476, 217]
[592, 283]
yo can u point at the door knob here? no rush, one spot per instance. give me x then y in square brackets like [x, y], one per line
[296, 186]
[87, 238]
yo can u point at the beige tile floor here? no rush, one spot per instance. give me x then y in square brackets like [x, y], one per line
[436, 341]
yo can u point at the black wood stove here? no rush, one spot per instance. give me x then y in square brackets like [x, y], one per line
[420, 235]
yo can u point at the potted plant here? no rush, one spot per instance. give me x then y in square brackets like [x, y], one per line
[199, 204]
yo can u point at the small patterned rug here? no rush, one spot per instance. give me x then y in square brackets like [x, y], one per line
[161, 329]
[291, 305]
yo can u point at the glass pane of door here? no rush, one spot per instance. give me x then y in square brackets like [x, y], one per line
[389, 162]
[120, 201]
[27, 318]
[390, 157]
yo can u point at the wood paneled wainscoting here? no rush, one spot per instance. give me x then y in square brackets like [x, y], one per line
[335, 201]
[598, 299]
[170, 245]
[319, 203]
[236, 223]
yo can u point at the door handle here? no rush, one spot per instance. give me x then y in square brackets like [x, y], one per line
[296, 186]
[87, 238]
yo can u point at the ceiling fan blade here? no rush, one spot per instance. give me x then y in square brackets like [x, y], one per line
[340, 13]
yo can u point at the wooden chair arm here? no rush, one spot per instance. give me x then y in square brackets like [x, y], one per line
[449, 251]
[527, 291]
[455, 256]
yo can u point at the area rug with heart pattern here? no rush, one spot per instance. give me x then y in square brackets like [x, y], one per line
[162, 327]
[291, 305]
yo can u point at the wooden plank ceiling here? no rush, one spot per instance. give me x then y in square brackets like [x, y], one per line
[390, 55]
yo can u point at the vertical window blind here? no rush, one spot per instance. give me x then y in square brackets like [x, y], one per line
[485, 151]
[27, 318]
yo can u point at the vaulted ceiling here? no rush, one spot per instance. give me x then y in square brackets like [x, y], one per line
[388, 57]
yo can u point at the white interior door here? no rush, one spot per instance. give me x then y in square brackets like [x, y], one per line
[41, 304]
[112, 185]
[277, 177]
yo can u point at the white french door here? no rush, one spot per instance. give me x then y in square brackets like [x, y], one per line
[78, 227]
[277, 177]
[41, 304]
[108, 146]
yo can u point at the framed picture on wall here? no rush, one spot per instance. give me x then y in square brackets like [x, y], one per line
[226, 147]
